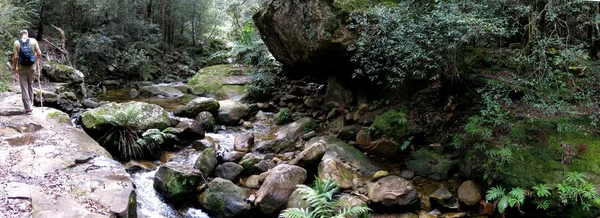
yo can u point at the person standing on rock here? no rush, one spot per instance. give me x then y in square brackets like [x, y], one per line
[25, 52]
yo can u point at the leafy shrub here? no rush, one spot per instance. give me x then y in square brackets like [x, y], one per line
[263, 84]
[392, 123]
[322, 205]
[284, 116]
[514, 198]
[152, 139]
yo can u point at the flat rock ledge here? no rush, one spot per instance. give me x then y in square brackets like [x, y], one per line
[48, 168]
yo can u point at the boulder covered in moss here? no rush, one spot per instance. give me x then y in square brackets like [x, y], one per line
[227, 81]
[224, 199]
[193, 108]
[393, 123]
[136, 115]
[207, 161]
[62, 73]
[176, 184]
[431, 164]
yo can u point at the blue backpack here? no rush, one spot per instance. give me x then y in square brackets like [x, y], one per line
[26, 56]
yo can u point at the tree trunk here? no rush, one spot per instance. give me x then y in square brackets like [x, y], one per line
[40, 27]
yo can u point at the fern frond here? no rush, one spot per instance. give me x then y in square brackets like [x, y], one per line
[518, 194]
[576, 177]
[353, 211]
[295, 213]
[542, 190]
[495, 193]
[503, 203]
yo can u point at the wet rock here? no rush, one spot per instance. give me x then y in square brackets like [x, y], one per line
[384, 147]
[261, 116]
[424, 214]
[312, 103]
[249, 162]
[141, 166]
[348, 133]
[144, 116]
[336, 125]
[194, 107]
[426, 163]
[165, 91]
[277, 188]
[177, 185]
[296, 201]
[407, 174]
[289, 98]
[231, 112]
[67, 102]
[392, 191]
[277, 146]
[444, 198]
[348, 200]
[90, 104]
[226, 81]
[233, 156]
[224, 199]
[247, 125]
[312, 154]
[454, 215]
[133, 93]
[207, 161]
[253, 182]
[207, 121]
[203, 144]
[230, 171]
[364, 138]
[191, 130]
[336, 170]
[62, 73]
[295, 130]
[469, 193]
[265, 165]
[243, 142]
[337, 92]
[309, 135]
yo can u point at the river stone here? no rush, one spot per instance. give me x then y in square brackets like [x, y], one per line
[207, 161]
[444, 198]
[426, 163]
[249, 162]
[337, 149]
[407, 174]
[469, 193]
[277, 188]
[165, 91]
[145, 116]
[176, 184]
[454, 215]
[348, 200]
[253, 182]
[231, 112]
[243, 142]
[191, 130]
[233, 156]
[62, 73]
[295, 130]
[312, 154]
[229, 170]
[297, 201]
[224, 199]
[67, 102]
[337, 92]
[203, 144]
[88, 103]
[392, 191]
[197, 105]
[383, 147]
[207, 121]
[226, 81]
[277, 146]
[348, 133]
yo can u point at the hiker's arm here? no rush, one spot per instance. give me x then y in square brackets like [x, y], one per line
[38, 51]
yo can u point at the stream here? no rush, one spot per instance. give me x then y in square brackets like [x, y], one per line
[150, 204]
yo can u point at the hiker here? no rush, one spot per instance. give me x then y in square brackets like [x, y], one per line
[25, 52]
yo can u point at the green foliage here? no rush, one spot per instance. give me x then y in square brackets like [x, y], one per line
[263, 84]
[419, 40]
[249, 48]
[576, 190]
[284, 116]
[152, 139]
[321, 203]
[514, 198]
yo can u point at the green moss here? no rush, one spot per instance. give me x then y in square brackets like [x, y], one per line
[349, 6]
[53, 114]
[61, 67]
[209, 81]
[393, 123]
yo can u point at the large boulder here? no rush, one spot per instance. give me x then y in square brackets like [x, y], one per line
[430, 164]
[224, 199]
[231, 112]
[136, 115]
[338, 93]
[469, 193]
[228, 81]
[312, 153]
[277, 188]
[306, 33]
[193, 108]
[176, 184]
[344, 163]
[165, 91]
[62, 73]
[392, 191]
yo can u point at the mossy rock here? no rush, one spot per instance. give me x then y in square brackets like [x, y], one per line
[137, 115]
[216, 81]
[207, 161]
[431, 164]
[393, 123]
[224, 199]
[62, 73]
[176, 184]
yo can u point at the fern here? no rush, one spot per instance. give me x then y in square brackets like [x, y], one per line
[542, 190]
[575, 177]
[495, 193]
[544, 205]
[321, 204]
